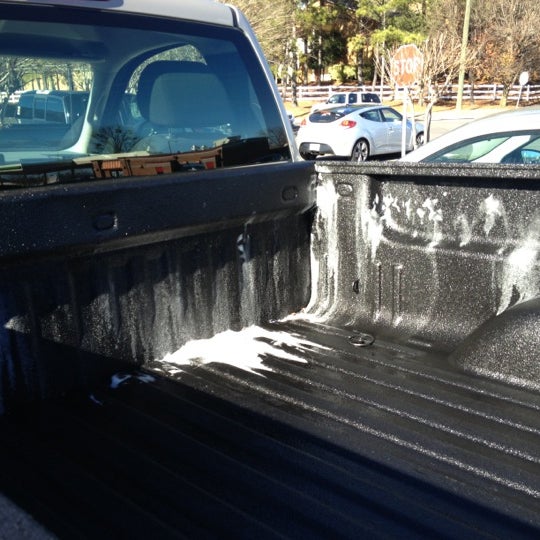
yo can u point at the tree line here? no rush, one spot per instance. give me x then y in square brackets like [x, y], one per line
[352, 40]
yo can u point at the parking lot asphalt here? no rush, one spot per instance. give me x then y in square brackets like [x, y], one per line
[443, 121]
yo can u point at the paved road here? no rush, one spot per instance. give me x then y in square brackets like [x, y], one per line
[444, 121]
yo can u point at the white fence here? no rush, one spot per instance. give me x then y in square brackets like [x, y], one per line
[480, 92]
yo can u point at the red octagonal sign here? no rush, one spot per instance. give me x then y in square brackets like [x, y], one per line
[407, 64]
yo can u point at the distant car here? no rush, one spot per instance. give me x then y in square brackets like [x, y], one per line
[356, 133]
[347, 98]
[51, 106]
[508, 137]
[8, 114]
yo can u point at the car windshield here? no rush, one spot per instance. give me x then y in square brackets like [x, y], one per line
[109, 85]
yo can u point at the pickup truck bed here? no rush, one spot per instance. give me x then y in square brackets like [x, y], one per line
[338, 445]
[364, 370]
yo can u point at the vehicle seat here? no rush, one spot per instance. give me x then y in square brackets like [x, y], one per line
[184, 104]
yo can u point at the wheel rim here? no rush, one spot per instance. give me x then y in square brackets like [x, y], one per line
[360, 151]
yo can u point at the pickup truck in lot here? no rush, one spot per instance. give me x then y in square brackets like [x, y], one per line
[205, 336]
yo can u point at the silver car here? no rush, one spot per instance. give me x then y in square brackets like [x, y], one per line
[510, 137]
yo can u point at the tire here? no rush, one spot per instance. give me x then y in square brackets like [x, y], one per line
[420, 138]
[360, 151]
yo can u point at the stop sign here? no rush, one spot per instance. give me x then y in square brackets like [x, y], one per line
[407, 64]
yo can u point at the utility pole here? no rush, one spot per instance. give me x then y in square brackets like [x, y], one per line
[463, 57]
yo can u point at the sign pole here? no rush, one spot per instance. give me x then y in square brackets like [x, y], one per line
[523, 80]
[404, 122]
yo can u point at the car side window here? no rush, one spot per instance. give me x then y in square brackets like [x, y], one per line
[525, 149]
[530, 156]
[336, 98]
[390, 115]
[55, 110]
[353, 98]
[39, 107]
[372, 115]
[370, 98]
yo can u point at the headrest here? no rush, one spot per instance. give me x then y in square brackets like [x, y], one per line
[182, 94]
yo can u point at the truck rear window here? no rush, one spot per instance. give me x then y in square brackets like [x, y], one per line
[124, 96]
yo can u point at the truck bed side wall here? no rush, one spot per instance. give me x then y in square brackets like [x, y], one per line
[97, 277]
[445, 258]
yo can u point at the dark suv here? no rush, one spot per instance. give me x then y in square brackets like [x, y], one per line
[51, 106]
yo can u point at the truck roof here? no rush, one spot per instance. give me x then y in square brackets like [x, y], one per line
[196, 10]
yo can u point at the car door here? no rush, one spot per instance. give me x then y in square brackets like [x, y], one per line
[374, 125]
[393, 122]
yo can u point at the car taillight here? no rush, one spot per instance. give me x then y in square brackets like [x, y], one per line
[348, 123]
[303, 122]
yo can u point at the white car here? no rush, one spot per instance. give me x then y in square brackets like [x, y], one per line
[356, 133]
[508, 137]
[347, 98]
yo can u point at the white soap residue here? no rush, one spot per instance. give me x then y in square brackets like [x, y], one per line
[374, 227]
[520, 274]
[492, 209]
[325, 255]
[434, 215]
[246, 349]
[464, 230]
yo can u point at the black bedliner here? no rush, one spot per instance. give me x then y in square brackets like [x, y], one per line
[358, 442]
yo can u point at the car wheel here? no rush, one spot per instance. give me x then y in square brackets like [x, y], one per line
[360, 151]
[420, 139]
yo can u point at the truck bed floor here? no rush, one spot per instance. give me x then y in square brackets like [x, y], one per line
[350, 442]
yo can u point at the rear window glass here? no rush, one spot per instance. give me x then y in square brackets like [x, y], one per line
[110, 91]
[327, 116]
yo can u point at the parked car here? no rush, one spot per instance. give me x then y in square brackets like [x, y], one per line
[347, 98]
[8, 114]
[509, 137]
[51, 106]
[355, 132]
